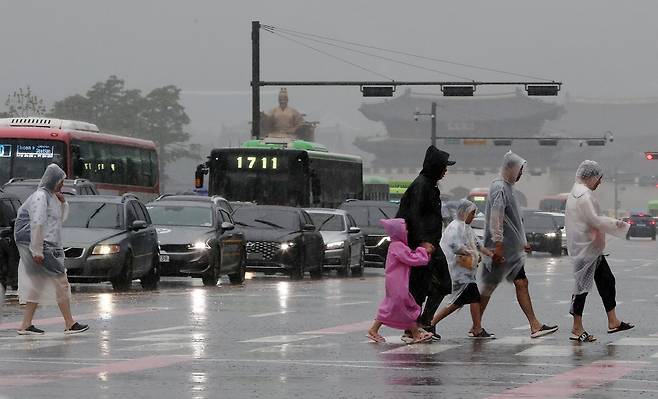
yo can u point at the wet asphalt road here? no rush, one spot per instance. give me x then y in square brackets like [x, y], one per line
[273, 338]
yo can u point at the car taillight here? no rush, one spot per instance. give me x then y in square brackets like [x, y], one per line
[653, 222]
[631, 222]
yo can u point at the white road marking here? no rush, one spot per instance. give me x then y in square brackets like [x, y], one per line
[157, 347]
[281, 339]
[272, 313]
[29, 345]
[161, 338]
[655, 355]
[159, 330]
[421, 349]
[352, 303]
[636, 342]
[290, 348]
[563, 302]
[639, 300]
[523, 327]
[521, 340]
[549, 350]
[393, 339]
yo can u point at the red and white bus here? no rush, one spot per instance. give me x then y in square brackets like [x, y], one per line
[116, 164]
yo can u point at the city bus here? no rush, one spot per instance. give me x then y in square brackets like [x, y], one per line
[554, 203]
[479, 196]
[375, 189]
[293, 173]
[397, 188]
[116, 164]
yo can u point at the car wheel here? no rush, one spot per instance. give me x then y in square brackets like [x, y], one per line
[211, 277]
[124, 280]
[150, 280]
[316, 274]
[238, 277]
[297, 272]
[653, 237]
[358, 271]
[346, 271]
[628, 236]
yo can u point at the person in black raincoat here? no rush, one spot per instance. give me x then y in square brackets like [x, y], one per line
[420, 207]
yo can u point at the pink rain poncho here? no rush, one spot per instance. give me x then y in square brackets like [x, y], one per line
[399, 309]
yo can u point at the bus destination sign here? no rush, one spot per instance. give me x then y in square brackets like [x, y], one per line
[34, 151]
[5, 150]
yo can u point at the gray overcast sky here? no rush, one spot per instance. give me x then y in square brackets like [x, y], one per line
[598, 48]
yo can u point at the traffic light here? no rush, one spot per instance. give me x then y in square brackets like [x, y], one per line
[651, 155]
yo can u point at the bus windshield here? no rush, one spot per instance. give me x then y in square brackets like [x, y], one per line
[29, 158]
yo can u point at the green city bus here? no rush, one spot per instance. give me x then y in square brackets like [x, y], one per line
[653, 208]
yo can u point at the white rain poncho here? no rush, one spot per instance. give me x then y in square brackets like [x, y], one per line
[586, 228]
[504, 224]
[459, 238]
[38, 231]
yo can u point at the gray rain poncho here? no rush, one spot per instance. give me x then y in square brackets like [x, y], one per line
[586, 228]
[38, 231]
[459, 238]
[504, 224]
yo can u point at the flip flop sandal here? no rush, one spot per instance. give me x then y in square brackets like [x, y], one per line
[584, 337]
[376, 338]
[483, 334]
[544, 330]
[621, 327]
[426, 337]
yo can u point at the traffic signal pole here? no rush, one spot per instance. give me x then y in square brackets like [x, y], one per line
[255, 79]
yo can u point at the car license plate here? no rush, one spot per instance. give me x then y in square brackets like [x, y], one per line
[641, 225]
[164, 258]
[255, 256]
[367, 251]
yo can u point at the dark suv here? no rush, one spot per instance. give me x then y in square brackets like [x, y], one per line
[9, 205]
[23, 188]
[642, 225]
[111, 238]
[216, 199]
[543, 231]
[367, 215]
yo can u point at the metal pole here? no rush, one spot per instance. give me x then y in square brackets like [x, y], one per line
[616, 191]
[255, 79]
[433, 124]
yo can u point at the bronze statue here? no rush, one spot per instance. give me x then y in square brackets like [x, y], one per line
[286, 122]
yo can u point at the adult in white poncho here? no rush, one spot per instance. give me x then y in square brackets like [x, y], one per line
[586, 229]
[41, 271]
[505, 234]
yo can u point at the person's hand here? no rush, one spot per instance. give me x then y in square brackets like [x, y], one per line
[60, 197]
[428, 247]
[499, 253]
[486, 252]
[620, 224]
[527, 248]
[38, 259]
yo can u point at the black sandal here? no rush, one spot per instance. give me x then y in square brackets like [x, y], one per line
[621, 327]
[584, 337]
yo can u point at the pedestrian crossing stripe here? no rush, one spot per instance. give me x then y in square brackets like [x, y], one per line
[521, 340]
[420, 349]
[636, 342]
[548, 350]
[281, 339]
[290, 348]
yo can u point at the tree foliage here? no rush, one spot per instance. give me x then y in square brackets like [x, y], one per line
[23, 103]
[156, 116]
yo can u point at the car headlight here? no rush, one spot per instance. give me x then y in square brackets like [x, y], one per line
[199, 245]
[284, 246]
[336, 245]
[383, 240]
[550, 235]
[106, 249]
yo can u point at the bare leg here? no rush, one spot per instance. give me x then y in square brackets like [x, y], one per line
[577, 325]
[28, 314]
[65, 308]
[523, 297]
[476, 317]
[374, 329]
[443, 313]
[613, 321]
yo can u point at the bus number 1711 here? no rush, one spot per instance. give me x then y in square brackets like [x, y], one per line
[257, 162]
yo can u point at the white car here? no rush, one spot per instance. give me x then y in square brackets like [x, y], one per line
[343, 241]
[478, 227]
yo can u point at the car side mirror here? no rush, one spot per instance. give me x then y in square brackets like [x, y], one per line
[226, 226]
[308, 227]
[354, 230]
[138, 225]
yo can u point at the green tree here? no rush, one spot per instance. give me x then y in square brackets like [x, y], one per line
[23, 103]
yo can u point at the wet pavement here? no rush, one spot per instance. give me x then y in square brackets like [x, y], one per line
[275, 338]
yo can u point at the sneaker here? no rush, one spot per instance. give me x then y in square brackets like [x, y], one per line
[31, 330]
[76, 328]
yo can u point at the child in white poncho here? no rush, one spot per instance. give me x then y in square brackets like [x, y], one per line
[462, 250]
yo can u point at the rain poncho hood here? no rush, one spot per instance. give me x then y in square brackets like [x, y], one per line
[586, 227]
[52, 177]
[512, 165]
[459, 238]
[504, 223]
[435, 161]
[396, 229]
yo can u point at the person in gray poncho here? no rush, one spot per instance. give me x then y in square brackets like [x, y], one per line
[586, 230]
[41, 271]
[504, 234]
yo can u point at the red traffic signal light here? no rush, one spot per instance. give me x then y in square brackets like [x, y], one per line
[651, 155]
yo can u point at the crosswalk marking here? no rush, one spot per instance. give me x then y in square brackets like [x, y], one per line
[272, 313]
[521, 340]
[421, 349]
[548, 350]
[636, 342]
[289, 348]
[282, 339]
[161, 337]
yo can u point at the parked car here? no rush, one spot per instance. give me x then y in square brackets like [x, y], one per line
[198, 239]
[544, 232]
[477, 225]
[281, 239]
[111, 238]
[367, 215]
[343, 241]
[642, 225]
[23, 188]
[9, 205]
[219, 201]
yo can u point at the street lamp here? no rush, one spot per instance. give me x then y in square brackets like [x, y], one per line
[432, 115]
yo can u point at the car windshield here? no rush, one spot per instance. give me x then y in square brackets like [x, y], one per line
[99, 215]
[22, 191]
[559, 220]
[538, 222]
[328, 221]
[267, 218]
[176, 215]
[370, 215]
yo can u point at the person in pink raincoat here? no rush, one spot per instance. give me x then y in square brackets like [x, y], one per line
[399, 309]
